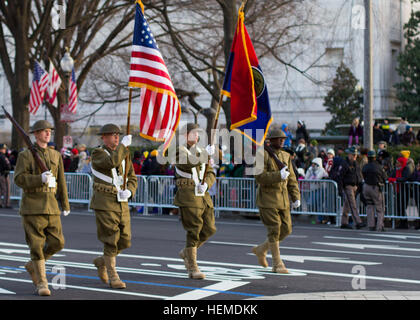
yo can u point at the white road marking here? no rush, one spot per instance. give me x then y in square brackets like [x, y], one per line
[302, 259]
[367, 239]
[362, 246]
[319, 250]
[94, 289]
[4, 291]
[352, 275]
[202, 293]
[394, 236]
[255, 268]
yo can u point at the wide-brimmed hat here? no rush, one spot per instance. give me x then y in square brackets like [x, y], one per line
[276, 133]
[110, 128]
[41, 125]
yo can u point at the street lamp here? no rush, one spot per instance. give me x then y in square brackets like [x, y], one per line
[67, 64]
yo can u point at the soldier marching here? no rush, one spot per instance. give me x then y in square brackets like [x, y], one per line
[110, 200]
[39, 206]
[274, 188]
[194, 177]
[115, 183]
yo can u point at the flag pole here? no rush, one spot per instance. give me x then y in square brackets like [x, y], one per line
[128, 132]
[219, 106]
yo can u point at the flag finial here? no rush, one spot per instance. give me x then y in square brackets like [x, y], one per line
[141, 5]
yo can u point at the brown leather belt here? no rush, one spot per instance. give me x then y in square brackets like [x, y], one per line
[99, 187]
[184, 182]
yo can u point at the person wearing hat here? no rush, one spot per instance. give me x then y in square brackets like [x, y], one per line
[374, 180]
[276, 188]
[351, 178]
[110, 200]
[408, 138]
[302, 132]
[151, 166]
[330, 160]
[192, 196]
[39, 207]
[5, 168]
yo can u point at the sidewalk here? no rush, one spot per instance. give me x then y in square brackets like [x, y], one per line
[347, 295]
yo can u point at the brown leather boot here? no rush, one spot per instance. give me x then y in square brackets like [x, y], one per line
[99, 263]
[42, 286]
[114, 279]
[193, 270]
[184, 257]
[30, 268]
[278, 265]
[261, 252]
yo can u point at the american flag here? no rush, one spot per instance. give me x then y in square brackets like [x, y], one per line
[73, 93]
[53, 85]
[160, 108]
[39, 86]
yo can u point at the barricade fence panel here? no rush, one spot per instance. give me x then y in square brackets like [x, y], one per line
[400, 201]
[318, 197]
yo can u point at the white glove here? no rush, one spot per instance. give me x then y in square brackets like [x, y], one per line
[66, 213]
[124, 194]
[284, 173]
[296, 204]
[202, 187]
[126, 140]
[46, 176]
[211, 150]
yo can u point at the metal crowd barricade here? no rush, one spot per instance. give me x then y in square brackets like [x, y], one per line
[159, 193]
[401, 201]
[15, 191]
[319, 197]
[235, 194]
[79, 187]
[140, 198]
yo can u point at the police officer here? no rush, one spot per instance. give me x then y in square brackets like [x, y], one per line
[5, 168]
[375, 178]
[39, 206]
[110, 200]
[192, 196]
[274, 188]
[351, 178]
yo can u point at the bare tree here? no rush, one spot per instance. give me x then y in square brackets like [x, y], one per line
[94, 29]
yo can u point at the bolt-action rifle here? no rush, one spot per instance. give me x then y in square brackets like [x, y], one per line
[27, 140]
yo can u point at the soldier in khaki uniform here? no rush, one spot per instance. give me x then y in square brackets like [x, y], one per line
[192, 197]
[110, 201]
[39, 207]
[274, 188]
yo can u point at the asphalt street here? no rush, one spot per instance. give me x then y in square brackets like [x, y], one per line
[321, 258]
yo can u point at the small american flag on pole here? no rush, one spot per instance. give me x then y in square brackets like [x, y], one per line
[73, 93]
[39, 86]
[53, 85]
[160, 108]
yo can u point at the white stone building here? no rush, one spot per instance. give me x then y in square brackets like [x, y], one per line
[338, 37]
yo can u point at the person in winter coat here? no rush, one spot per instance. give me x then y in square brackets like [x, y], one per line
[408, 138]
[355, 132]
[300, 153]
[289, 137]
[330, 160]
[137, 163]
[301, 132]
[399, 176]
[314, 199]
